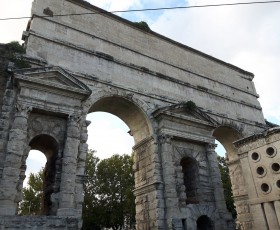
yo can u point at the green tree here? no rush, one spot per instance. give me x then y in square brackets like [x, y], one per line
[91, 201]
[32, 195]
[110, 203]
[227, 185]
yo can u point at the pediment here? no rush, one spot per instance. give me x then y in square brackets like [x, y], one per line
[55, 77]
[186, 112]
[50, 79]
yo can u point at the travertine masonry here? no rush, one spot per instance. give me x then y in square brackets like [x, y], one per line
[175, 100]
[260, 161]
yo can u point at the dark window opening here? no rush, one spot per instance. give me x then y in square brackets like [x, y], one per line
[204, 223]
[190, 171]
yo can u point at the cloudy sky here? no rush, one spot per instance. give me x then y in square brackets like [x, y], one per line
[246, 36]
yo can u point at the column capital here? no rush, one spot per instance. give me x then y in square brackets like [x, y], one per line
[210, 147]
[165, 138]
[74, 119]
[73, 126]
[22, 110]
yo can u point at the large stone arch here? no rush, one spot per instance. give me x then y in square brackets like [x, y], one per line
[129, 109]
[227, 134]
[182, 100]
[134, 112]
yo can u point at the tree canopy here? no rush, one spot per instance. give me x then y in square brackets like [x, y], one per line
[32, 195]
[108, 193]
[109, 199]
[227, 185]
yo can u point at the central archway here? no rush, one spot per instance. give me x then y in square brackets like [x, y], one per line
[129, 112]
[132, 113]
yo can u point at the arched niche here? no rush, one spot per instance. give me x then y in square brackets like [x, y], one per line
[204, 223]
[49, 146]
[129, 112]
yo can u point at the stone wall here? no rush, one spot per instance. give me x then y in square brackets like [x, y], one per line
[6, 103]
[260, 163]
[100, 62]
[112, 49]
[3, 72]
[38, 223]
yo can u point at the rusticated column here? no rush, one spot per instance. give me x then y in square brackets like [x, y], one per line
[168, 171]
[217, 187]
[216, 177]
[69, 167]
[80, 179]
[7, 111]
[16, 147]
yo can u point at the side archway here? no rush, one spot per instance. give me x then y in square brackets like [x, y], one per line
[49, 146]
[226, 135]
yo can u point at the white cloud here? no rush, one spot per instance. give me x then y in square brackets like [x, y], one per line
[12, 29]
[34, 162]
[246, 36]
[111, 5]
[108, 135]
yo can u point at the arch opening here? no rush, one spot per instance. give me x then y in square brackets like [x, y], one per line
[49, 147]
[230, 168]
[135, 126]
[32, 184]
[204, 223]
[108, 135]
[190, 175]
[128, 112]
[226, 136]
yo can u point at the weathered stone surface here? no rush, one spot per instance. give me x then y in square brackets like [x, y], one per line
[38, 223]
[175, 100]
[259, 158]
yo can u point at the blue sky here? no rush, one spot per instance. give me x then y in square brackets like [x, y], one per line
[246, 36]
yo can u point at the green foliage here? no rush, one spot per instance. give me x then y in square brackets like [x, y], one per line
[15, 47]
[90, 205]
[190, 105]
[108, 193]
[13, 51]
[109, 200]
[227, 186]
[142, 25]
[32, 195]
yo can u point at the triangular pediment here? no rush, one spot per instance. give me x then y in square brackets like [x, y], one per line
[55, 77]
[186, 111]
[52, 77]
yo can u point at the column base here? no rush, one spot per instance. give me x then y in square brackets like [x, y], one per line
[8, 210]
[67, 212]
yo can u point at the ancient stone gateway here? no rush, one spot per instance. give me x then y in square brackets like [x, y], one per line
[176, 101]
